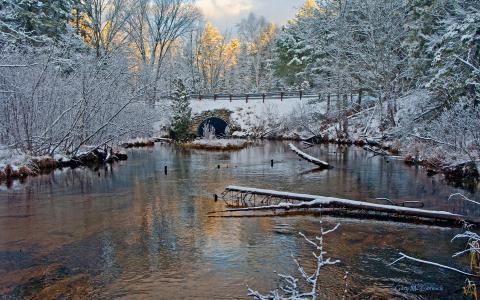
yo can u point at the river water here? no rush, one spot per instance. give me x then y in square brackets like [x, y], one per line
[130, 231]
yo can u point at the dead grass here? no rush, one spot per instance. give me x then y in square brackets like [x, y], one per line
[139, 143]
[214, 147]
[45, 164]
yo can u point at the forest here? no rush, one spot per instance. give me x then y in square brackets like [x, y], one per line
[403, 73]
[359, 112]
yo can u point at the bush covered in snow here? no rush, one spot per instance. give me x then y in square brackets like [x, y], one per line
[50, 105]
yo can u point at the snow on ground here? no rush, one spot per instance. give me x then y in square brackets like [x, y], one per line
[283, 107]
[12, 157]
[257, 118]
[218, 144]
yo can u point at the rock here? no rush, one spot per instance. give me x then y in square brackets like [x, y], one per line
[409, 159]
[466, 170]
[431, 172]
[121, 155]
[75, 287]
[93, 157]
[360, 143]
[20, 280]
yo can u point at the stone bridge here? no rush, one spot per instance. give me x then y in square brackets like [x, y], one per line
[219, 119]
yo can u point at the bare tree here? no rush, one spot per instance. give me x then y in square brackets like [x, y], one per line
[54, 107]
[257, 36]
[103, 23]
[155, 28]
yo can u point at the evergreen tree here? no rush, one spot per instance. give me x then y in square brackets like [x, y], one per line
[455, 52]
[33, 21]
[181, 111]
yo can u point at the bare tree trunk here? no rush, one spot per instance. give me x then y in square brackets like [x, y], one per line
[344, 116]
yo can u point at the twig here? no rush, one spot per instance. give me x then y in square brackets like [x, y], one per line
[404, 256]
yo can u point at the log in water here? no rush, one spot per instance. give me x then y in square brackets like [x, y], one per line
[307, 201]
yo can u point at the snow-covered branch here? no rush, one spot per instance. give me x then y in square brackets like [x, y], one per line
[289, 287]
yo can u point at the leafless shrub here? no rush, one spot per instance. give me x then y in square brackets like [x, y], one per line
[289, 287]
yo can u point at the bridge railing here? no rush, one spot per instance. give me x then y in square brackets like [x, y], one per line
[255, 96]
[276, 95]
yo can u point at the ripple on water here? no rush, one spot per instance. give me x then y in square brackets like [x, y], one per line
[135, 232]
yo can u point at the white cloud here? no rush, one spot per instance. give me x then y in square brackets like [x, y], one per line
[224, 8]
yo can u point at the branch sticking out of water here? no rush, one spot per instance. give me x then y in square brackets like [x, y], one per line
[427, 262]
[289, 288]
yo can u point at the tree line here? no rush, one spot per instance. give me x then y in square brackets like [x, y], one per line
[353, 50]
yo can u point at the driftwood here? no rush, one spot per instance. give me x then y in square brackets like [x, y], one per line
[309, 158]
[427, 262]
[314, 202]
[307, 145]
[376, 152]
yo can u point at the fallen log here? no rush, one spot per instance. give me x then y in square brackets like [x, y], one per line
[160, 139]
[313, 201]
[378, 151]
[309, 158]
[307, 145]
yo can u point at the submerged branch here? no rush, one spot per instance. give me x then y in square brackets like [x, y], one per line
[404, 256]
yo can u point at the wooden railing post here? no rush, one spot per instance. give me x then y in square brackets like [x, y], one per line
[230, 97]
[246, 98]
[263, 97]
[301, 94]
[281, 96]
[215, 97]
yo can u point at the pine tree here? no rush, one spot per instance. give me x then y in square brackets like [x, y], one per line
[455, 49]
[33, 21]
[181, 111]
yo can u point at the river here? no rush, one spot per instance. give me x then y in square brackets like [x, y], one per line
[130, 231]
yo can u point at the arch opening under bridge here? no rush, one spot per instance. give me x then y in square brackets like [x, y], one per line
[219, 124]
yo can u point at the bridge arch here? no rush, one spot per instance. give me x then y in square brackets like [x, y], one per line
[219, 124]
[218, 118]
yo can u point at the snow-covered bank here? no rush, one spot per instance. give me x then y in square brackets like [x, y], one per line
[17, 165]
[441, 140]
[14, 164]
[218, 144]
[270, 119]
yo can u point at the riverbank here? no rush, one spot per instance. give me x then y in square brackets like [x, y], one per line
[460, 172]
[217, 144]
[19, 166]
[15, 165]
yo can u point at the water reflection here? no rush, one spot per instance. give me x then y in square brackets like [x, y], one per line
[136, 232]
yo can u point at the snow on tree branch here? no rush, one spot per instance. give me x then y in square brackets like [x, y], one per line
[289, 286]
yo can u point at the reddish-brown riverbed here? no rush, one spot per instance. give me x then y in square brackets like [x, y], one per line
[133, 232]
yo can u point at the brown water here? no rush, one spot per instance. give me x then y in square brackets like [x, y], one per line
[133, 232]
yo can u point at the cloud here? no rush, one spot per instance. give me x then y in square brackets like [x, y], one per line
[224, 8]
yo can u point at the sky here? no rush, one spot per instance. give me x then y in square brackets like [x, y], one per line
[225, 14]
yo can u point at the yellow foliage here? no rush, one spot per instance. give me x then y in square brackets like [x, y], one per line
[308, 8]
[231, 53]
[265, 40]
[215, 54]
[267, 35]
